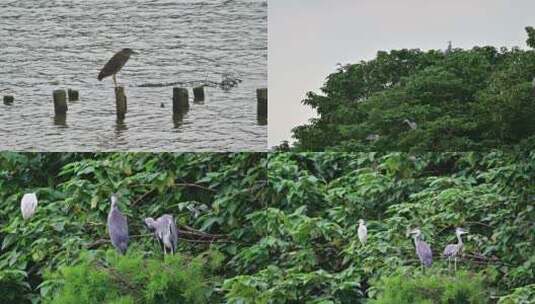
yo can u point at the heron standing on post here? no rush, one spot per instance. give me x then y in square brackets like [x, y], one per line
[115, 64]
[454, 250]
[165, 231]
[423, 250]
[117, 227]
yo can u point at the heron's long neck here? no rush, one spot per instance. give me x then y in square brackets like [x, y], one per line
[460, 240]
[416, 239]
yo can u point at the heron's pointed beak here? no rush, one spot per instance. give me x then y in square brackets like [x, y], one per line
[135, 53]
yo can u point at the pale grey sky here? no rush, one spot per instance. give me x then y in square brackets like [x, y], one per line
[308, 37]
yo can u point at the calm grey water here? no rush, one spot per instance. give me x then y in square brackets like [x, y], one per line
[59, 44]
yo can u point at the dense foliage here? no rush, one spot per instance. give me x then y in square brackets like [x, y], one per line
[286, 226]
[114, 279]
[74, 189]
[459, 100]
[434, 289]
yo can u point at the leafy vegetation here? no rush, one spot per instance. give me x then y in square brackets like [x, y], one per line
[279, 227]
[74, 190]
[461, 288]
[458, 100]
[116, 279]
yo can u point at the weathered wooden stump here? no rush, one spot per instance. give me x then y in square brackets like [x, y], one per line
[8, 99]
[60, 119]
[120, 102]
[73, 95]
[60, 102]
[180, 100]
[262, 105]
[198, 94]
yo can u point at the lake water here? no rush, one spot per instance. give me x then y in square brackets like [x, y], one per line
[47, 45]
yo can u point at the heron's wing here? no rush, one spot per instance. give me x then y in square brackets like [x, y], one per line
[114, 65]
[118, 228]
[450, 250]
[174, 234]
[425, 253]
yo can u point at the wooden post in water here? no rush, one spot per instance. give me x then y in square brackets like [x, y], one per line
[73, 95]
[120, 102]
[198, 94]
[60, 102]
[262, 104]
[180, 100]
[8, 99]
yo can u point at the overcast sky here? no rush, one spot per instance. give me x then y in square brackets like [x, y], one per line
[307, 38]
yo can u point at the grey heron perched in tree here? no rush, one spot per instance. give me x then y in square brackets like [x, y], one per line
[454, 250]
[362, 232]
[373, 137]
[411, 124]
[165, 231]
[115, 64]
[196, 211]
[449, 49]
[28, 205]
[117, 226]
[423, 250]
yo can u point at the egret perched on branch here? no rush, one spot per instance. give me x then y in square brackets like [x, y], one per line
[28, 205]
[115, 64]
[362, 232]
[165, 231]
[423, 250]
[117, 227]
[454, 250]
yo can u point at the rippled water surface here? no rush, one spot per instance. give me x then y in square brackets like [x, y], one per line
[47, 45]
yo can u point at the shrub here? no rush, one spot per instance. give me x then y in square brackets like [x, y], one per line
[432, 289]
[132, 278]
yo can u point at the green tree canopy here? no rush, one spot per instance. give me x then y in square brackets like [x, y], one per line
[460, 100]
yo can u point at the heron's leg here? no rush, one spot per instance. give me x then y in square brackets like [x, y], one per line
[114, 80]
[455, 261]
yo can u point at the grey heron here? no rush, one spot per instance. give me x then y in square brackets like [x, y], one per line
[196, 211]
[117, 227]
[454, 250]
[449, 49]
[373, 137]
[165, 231]
[362, 232]
[28, 205]
[115, 64]
[423, 250]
